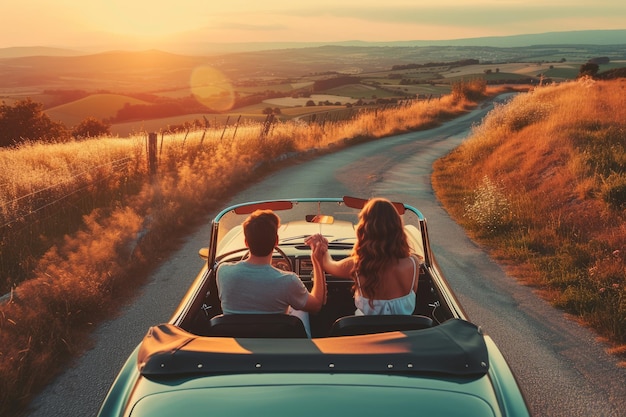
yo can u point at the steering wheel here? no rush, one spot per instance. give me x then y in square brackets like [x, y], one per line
[246, 254]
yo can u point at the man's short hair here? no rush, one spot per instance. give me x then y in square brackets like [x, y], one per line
[261, 232]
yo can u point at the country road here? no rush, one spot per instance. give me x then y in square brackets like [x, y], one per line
[562, 368]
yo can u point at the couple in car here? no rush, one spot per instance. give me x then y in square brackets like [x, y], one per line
[381, 265]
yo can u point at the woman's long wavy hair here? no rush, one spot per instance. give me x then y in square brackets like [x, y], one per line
[381, 241]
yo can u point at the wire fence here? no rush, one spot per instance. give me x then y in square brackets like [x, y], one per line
[25, 206]
[30, 223]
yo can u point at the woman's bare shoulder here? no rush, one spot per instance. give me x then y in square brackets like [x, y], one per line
[417, 257]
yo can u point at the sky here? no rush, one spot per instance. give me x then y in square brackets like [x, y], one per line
[150, 23]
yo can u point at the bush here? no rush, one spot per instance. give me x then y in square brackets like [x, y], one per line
[490, 208]
[469, 90]
[91, 128]
[589, 69]
[614, 191]
[24, 121]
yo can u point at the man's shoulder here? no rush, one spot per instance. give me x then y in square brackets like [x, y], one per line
[227, 265]
[238, 266]
[233, 263]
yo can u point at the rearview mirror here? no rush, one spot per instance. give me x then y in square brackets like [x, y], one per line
[319, 218]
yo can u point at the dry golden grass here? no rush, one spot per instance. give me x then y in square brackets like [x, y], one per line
[128, 219]
[542, 181]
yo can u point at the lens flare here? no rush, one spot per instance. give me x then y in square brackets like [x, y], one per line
[212, 89]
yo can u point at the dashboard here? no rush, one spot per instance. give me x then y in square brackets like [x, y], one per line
[302, 266]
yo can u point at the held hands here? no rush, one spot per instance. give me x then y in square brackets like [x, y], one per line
[319, 250]
[319, 246]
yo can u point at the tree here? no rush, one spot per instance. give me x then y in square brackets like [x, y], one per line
[269, 110]
[590, 69]
[91, 128]
[25, 120]
[470, 90]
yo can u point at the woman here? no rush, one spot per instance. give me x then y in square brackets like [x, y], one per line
[384, 270]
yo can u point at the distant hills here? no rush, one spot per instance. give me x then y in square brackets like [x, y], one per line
[38, 71]
[21, 51]
[583, 37]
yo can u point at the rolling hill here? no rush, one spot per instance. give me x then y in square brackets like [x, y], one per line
[100, 106]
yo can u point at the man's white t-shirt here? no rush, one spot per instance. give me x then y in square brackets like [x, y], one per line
[246, 288]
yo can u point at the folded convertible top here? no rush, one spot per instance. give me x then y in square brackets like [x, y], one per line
[455, 347]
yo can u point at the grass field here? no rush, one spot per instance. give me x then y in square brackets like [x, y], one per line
[316, 98]
[100, 106]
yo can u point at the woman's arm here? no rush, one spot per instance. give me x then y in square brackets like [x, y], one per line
[339, 269]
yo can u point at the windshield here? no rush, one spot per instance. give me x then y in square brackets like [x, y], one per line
[335, 218]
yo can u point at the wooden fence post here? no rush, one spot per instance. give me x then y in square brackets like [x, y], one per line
[269, 120]
[152, 153]
[236, 127]
[225, 126]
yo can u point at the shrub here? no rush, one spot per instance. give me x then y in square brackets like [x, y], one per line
[588, 69]
[526, 111]
[25, 120]
[614, 191]
[489, 208]
[469, 90]
[91, 128]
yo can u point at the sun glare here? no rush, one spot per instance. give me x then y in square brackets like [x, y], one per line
[212, 88]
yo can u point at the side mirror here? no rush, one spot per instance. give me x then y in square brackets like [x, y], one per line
[204, 253]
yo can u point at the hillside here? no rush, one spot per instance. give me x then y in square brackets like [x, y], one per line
[150, 71]
[542, 183]
[100, 106]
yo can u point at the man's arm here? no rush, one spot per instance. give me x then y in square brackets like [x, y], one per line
[317, 296]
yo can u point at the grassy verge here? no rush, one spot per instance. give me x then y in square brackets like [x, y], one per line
[542, 183]
[84, 276]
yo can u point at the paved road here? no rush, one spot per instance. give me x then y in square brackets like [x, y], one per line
[563, 370]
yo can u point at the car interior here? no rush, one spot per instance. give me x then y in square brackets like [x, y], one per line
[337, 317]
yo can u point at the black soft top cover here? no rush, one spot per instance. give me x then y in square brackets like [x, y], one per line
[455, 347]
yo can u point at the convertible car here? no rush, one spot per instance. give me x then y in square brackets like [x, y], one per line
[202, 362]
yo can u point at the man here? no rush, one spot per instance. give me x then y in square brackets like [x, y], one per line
[253, 285]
